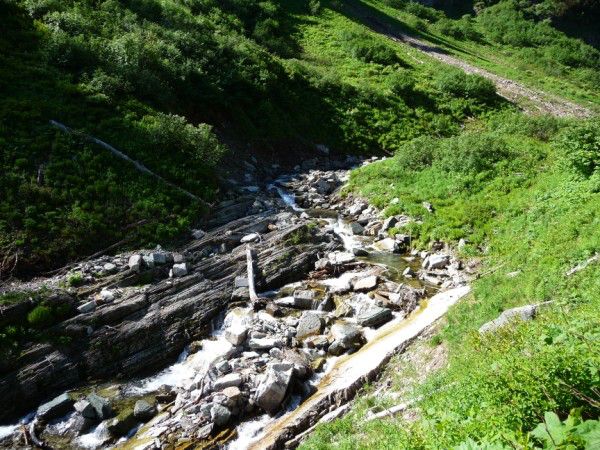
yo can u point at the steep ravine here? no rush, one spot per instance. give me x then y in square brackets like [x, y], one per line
[338, 295]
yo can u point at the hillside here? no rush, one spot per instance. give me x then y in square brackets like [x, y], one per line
[362, 138]
[161, 80]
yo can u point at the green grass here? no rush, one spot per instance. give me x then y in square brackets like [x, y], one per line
[531, 211]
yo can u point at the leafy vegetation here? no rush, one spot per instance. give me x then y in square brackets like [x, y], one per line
[503, 186]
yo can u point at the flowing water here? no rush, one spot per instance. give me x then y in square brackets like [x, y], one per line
[337, 370]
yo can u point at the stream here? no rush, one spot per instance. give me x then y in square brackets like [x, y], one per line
[367, 301]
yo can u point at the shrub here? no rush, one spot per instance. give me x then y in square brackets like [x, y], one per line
[424, 12]
[401, 83]
[471, 153]
[460, 84]
[580, 147]
[417, 154]
[367, 49]
[40, 317]
[75, 279]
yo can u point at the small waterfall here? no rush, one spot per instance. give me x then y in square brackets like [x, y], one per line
[288, 199]
[342, 229]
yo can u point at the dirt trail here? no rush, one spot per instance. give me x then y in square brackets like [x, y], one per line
[531, 100]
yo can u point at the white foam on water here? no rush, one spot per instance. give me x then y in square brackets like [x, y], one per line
[248, 432]
[9, 430]
[288, 199]
[95, 438]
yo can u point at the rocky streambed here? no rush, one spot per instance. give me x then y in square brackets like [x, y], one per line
[340, 290]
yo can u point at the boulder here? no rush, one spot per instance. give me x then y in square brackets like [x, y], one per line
[356, 228]
[232, 379]
[198, 234]
[57, 407]
[310, 324]
[240, 294]
[81, 425]
[101, 406]
[233, 394]
[409, 273]
[236, 334]
[220, 415]
[373, 316]
[524, 313]
[356, 251]
[436, 262]
[388, 223]
[109, 268]
[273, 388]
[107, 296]
[144, 411]
[387, 245]
[323, 264]
[240, 281]
[159, 258]
[179, 270]
[358, 207]
[252, 237]
[86, 409]
[367, 283]
[135, 263]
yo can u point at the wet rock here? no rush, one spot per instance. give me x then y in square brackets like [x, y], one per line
[179, 270]
[319, 342]
[165, 395]
[135, 263]
[436, 262]
[409, 273]
[387, 245]
[81, 425]
[310, 324]
[272, 389]
[367, 283]
[339, 258]
[101, 406]
[57, 407]
[120, 425]
[220, 415]
[236, 334]
[159, 258]
[318, 364]
[356, 228]
[373, 316]
[232, 379]
[86, 409]
[346, 336]
[356, 208]
[359, 252]
[144, 411]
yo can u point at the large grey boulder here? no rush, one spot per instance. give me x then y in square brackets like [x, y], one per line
[144, 411]
[346, 336]
[135, 262]
[265, 343]
[367, 283]
[524, 313]
[236, 334]
[57, 407]
[101, 406]
[436, 261]
[357, 228]
[179, 270]
[273, 388]
[305, 299]
[229, 380]
[310, 324]
[220, 414]
[373, 316]
[252, 237]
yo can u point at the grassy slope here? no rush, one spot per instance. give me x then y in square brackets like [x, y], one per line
[504, 60]
[527, 213]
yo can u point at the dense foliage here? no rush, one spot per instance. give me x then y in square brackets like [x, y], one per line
[159, 80]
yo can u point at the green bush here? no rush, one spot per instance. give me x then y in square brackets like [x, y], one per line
[460, 84]
[366, 48]
[423, 12]
[40, 317]
[580, 147]
[417, 154]
[401, 83]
